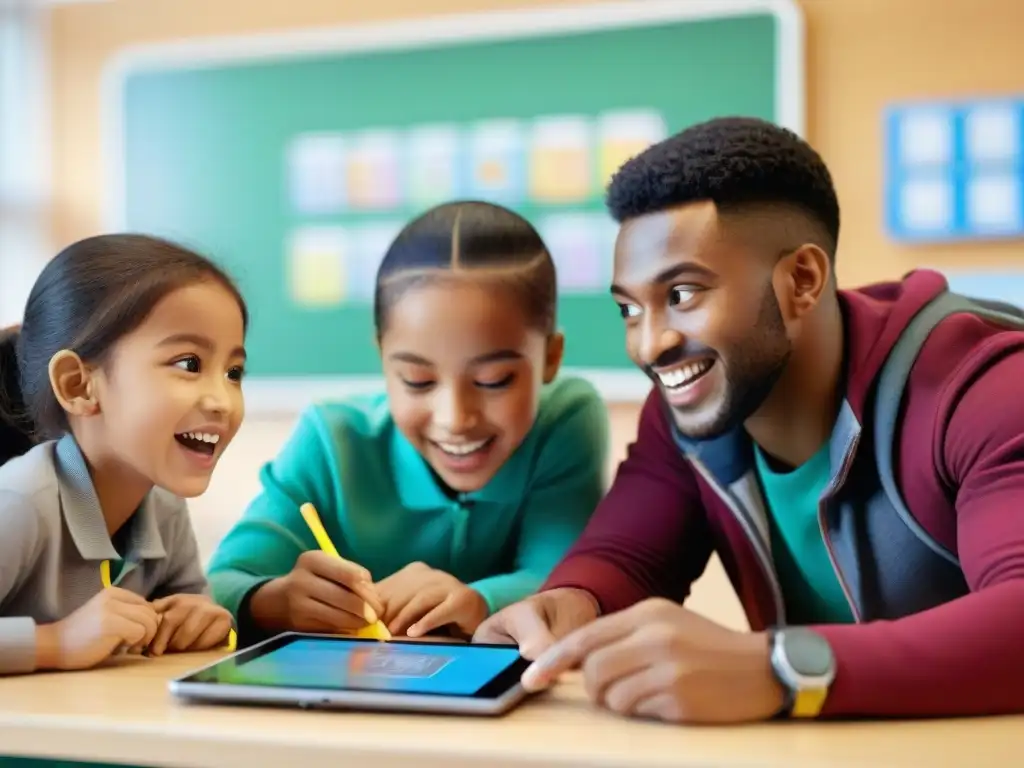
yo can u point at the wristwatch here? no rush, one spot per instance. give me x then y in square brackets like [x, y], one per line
[803, 663]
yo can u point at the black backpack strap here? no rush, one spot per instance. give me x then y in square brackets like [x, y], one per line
[893, 381]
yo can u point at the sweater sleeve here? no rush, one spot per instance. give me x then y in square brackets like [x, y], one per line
[649, 536]
[562, 497]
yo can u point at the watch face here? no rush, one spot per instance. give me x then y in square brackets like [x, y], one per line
[808, 653]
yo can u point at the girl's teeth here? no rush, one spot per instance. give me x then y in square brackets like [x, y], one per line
[203, 437]
[462, 449]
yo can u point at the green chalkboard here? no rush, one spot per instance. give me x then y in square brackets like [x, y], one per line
[294, 167]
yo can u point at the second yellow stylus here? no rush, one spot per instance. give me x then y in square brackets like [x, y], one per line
[374, 626]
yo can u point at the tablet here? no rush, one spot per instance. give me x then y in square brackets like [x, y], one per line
[351, 673]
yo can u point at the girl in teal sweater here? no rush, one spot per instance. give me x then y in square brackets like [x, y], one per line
[453, 493]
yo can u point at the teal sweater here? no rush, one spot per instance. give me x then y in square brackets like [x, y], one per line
[383, 508]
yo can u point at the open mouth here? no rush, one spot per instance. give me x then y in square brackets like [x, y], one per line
[685, 375]
[204, 443]
[461, 450]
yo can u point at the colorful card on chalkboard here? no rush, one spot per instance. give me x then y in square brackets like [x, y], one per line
[561, 160]
[434, 164]
[317, 275]
[623, 135]
[497, 161]
[373, 170]
[370, 242]
[316, 173]
[578, 244]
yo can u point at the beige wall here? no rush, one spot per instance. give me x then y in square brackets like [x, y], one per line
[862, 55]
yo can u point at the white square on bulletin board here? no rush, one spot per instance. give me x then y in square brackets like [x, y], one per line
[370, 242]
[317, 275]
[994, 203]
[993, 133]
[926, 138]
[927, 204]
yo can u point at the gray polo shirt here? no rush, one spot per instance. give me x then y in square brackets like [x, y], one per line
[53, 539]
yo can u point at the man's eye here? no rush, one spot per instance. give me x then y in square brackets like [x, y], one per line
[681, 294]
[629, 310]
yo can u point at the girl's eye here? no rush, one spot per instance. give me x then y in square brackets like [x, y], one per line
[189, 363]
[500, 384]
[629, 310]
[419, 386]
[681, 294]
[236, 373]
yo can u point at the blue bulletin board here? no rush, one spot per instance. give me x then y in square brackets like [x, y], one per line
[955, 170]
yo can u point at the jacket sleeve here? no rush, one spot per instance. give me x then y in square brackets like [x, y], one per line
[649, 536]
[560, 501]
[964, 657]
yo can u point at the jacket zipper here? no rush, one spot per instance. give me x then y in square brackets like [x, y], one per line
[844, 470]
[755, 541]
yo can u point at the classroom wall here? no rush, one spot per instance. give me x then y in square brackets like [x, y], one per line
[862, 54]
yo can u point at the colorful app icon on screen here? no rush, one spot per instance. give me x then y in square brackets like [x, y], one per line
[374, 181]
[497, 162]
[316, 173]
[317, 275]
[623, 135]
[579, 246]
[561, 160]
[434, 164]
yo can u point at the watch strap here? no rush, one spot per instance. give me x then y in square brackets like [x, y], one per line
[800, 701]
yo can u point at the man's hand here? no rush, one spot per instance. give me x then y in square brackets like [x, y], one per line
[189, 623]
[538, 621]
[419, 599]
[660, 660]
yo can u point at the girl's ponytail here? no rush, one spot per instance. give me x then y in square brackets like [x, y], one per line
[15, 426]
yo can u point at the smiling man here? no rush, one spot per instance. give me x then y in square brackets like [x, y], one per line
[855, 458]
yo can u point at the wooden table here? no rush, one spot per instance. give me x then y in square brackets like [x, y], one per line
[125, 713]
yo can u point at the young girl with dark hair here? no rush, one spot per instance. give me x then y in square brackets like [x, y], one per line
[461, 485]
[130, 360]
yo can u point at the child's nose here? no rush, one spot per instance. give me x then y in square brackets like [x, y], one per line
[455, 412]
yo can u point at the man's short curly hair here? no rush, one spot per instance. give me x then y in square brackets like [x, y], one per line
[736, 162]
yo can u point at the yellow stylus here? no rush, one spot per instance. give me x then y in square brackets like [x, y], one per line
[375, 627]
[105, 580]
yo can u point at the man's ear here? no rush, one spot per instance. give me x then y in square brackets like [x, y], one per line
[801, 277]
[553, 356]
[73, 385]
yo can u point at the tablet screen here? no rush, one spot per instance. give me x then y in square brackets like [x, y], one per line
[332, 663]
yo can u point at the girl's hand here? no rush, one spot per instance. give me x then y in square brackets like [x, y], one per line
[322, 593]
[419, 599]
[189, 623]
[115, 618]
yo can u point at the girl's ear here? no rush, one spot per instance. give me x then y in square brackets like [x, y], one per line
[72, 384]
[553, 356]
